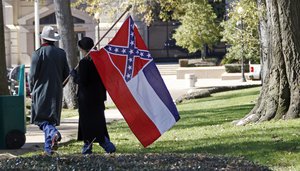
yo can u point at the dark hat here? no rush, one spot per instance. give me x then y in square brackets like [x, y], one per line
[86, 43]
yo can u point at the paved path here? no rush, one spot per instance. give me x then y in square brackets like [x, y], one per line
[68, 128]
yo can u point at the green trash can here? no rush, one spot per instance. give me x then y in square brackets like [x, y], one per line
[12, 117]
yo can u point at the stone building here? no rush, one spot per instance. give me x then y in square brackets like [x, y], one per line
[20, 31]
[19, 27]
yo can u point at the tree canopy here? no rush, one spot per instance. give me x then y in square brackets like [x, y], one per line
[198, 26]
[241, 29]
[198, 20]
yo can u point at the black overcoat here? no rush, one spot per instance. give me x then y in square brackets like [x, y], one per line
[49, 68]
[91, 97]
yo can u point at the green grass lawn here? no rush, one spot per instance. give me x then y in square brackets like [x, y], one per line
[206, 127]
[66, 113]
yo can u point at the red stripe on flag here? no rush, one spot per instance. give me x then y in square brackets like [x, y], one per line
[140, 124]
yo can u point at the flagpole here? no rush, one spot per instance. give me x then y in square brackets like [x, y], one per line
[127, 9]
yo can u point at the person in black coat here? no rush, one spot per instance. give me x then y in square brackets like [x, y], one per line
[91, 96]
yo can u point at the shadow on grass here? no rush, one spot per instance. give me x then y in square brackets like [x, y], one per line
[222, 96]
[258, 151]
[274, 142]
[216, 116]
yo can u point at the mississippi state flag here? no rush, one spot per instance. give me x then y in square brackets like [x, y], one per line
[135, 85]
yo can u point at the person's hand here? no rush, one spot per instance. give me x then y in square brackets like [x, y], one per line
[73, 73]
[75, 76]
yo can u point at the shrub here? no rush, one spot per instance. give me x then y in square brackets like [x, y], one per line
[183, 62]
[235, 68]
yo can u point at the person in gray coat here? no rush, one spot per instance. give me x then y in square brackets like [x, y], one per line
[49, 68]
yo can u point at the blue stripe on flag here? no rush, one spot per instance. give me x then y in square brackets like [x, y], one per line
[155, 80]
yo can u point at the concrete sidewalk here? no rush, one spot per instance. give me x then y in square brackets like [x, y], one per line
[179, 87]
[68, 128]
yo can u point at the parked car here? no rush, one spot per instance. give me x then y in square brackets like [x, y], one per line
[254, 71]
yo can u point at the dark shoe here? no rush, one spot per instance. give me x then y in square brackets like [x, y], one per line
[87, 148]
[108, 146]
[54, 141]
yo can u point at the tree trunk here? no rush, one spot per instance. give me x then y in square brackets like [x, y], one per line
[280, 93]
[66, 30]
[264, 39]
[3, 72]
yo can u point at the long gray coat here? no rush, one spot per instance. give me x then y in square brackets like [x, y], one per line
[49, 68]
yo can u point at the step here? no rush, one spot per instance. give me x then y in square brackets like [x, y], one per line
[213, 72]
[234, 76]
[167, 69]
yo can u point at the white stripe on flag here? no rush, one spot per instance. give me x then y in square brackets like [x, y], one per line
[151, 104]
